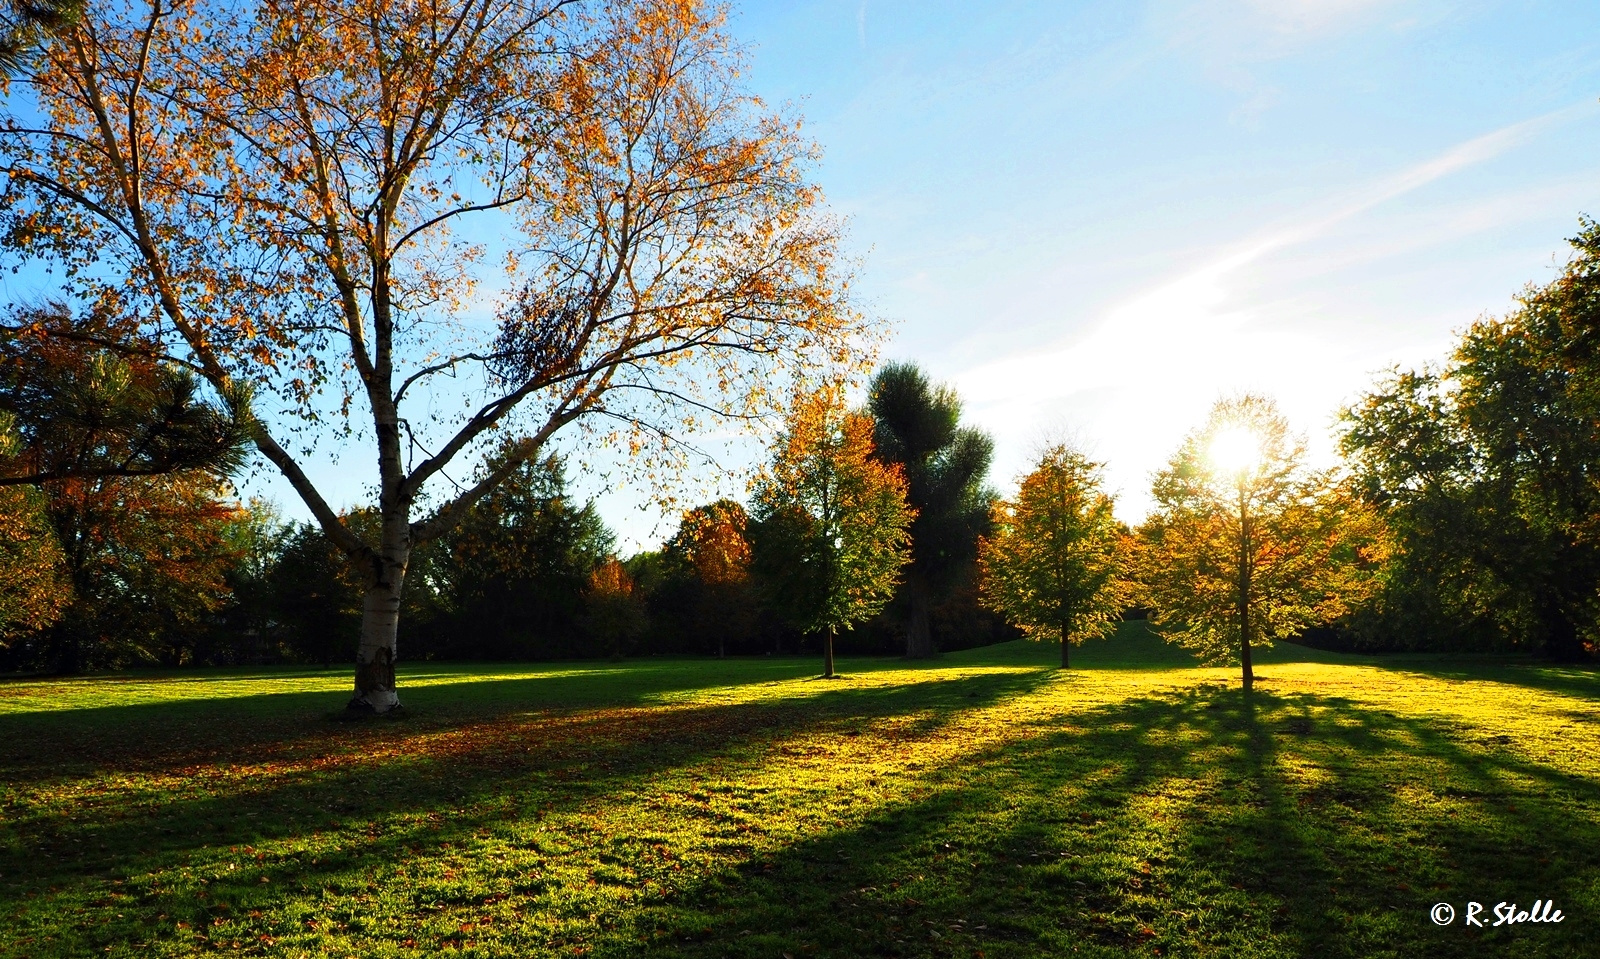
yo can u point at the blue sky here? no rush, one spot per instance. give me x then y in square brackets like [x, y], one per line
[1095, 218]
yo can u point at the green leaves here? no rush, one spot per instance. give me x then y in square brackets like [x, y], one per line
[1485, 469]
[1052, 564]
[838, 513]
[84, 400]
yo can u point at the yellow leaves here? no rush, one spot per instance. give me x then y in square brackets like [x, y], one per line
[1053, 564]
[848, 513]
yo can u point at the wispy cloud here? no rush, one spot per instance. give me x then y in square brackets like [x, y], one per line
[1180, 343]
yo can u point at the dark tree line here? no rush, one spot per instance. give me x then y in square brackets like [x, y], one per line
[127, 545]
[1486, 471]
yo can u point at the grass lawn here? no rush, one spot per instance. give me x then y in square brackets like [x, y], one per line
[985, 804]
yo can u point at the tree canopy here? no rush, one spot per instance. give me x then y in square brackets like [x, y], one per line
[917, 427]
[1053, 563]
[1246, 543]
[416, 224]
[836, 515]
[1487, 470]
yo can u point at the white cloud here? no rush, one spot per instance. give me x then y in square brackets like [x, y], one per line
[1153, 363]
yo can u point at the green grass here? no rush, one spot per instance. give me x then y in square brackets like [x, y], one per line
[982, 805]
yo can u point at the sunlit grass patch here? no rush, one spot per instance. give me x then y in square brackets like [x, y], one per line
[984, 803]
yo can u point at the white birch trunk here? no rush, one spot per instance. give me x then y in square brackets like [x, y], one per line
[380, 620]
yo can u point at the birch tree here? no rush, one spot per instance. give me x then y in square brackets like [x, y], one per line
[401, 227]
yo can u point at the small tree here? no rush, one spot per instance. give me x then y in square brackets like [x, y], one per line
[1051, 565]
[841, 513]
[1247, 545]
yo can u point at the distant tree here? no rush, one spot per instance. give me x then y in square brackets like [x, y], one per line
[1485, 471]
[509, 580]
[147, 558]
[836, 514]
[615, 612]
[314, 596]
[1246, 544]
[917, 427]
[245, 630]
[712, 547]
[1052, 565]
[131, 467]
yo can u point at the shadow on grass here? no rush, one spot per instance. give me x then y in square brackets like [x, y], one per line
[1581, 681]
[413, 787]
[188, 729]
[1205, 823]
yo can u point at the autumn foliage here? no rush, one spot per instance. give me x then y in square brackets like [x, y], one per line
[1054, 563]
[305, 201]
[1235, 558]
[837, 516]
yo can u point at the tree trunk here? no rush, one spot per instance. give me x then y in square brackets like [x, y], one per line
[1246, 568]
[1065, 647]
[1244, 658]
[827, 654]
[380, 622]
[919, 638]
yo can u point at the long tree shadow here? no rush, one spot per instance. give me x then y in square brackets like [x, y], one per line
[182, 732]
[1202, 823]
[1581, 681]
[425, 791]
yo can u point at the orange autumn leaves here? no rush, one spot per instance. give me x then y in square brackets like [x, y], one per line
[1222, 561]
[840, 515]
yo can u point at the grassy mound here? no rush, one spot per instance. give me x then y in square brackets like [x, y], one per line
[984, 804]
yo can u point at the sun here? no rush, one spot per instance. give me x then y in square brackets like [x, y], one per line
[1235, 451]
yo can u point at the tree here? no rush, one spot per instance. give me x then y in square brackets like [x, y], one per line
[1246, 544]
[314, 596]
[85, 398]
[711, 545]
[1052, 564]
[1486, 471]
[917, 427]
[509, 580]
[840, 513]
[616, 614]
[147, 559]
[25, 25]
[313, 201]
[33, 591]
